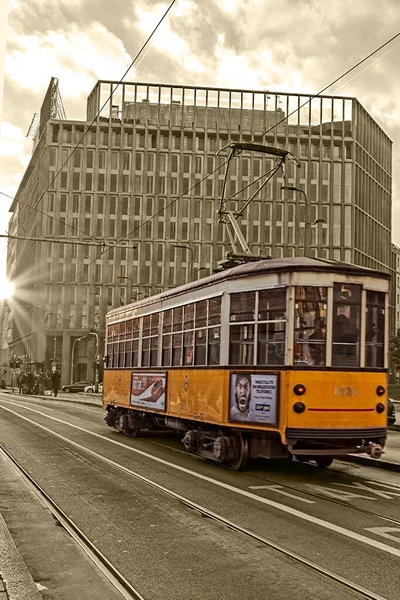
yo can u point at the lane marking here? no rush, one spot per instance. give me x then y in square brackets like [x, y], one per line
[383, 531]
[278, 489]
[362, 486]
[286, 509]
[337, 494]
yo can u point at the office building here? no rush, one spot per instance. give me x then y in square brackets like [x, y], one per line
[146, 176]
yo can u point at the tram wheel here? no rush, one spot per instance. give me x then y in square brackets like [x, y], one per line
[240, 463]
[323, 461]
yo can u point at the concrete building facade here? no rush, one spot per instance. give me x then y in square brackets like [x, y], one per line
[144, 175]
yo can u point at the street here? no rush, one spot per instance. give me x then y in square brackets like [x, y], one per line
[134, 498]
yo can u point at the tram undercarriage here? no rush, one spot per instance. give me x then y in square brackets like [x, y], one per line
[234, 447]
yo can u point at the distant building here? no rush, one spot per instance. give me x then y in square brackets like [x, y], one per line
[138, 175]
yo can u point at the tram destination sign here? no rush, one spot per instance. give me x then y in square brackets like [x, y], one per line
[254, 397]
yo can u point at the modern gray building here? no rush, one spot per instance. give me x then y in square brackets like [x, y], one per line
[144, 174]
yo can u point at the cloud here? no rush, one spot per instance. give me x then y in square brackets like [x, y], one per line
[81, 57]
[293, 45]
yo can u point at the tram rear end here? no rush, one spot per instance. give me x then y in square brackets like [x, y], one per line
[331, 414]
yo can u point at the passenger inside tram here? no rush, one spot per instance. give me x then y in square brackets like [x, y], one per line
[316, 342]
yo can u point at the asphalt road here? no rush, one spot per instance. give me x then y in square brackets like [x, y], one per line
[345, 519]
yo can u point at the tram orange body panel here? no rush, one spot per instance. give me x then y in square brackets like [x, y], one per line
[338, 399]
[201, 395]
[116, 387]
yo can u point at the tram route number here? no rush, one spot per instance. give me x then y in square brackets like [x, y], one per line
[342, 390]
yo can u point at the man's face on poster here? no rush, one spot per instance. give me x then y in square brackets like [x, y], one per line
[242, 393]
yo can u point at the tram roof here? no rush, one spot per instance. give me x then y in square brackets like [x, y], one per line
[259, 267]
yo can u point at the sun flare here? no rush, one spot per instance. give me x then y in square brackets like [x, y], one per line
[6, 289]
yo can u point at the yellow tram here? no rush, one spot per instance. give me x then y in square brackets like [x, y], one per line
[272, 358]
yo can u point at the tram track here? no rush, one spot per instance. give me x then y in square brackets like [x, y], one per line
[293, 488]
[284, 486]
[117, 579]
[121, 584]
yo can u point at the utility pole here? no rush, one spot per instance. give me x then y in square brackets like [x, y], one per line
[96, 367]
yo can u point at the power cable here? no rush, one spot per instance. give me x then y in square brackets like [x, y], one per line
[54, 218]
[99, 112]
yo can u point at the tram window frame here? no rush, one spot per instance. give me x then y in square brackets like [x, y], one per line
[310, 319]
[246, 322]
[346, 324]
[375, 329]
[271, 326]
[135, 341]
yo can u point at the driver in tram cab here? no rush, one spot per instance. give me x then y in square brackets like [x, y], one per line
[242, 396]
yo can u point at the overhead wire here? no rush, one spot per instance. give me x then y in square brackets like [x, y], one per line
[311, 97]
[101, 109]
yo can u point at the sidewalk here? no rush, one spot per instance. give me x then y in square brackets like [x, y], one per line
[74, 397]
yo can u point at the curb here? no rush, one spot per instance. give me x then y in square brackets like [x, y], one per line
[72, 401]
[15, 577]
[58, 399]
[371, 462]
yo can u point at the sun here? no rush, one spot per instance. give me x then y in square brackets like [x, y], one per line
[6, 288]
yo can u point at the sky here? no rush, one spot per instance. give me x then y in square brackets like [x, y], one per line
[288, 46]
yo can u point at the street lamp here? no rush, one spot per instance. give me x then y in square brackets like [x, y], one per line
[131, 280]
[186, 247]
[197, 271]
[292, 188]
[96, 369]
[72, 356]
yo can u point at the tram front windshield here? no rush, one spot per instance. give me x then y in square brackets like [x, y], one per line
[310, 325]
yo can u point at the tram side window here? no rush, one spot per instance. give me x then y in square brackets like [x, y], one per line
[154, 337]
[121, 345]
[310, 326]
[346, 325]
[241, 338]
[375, 330]
[135, 342]
[146, 342]
[188, 336]
[271, 327]
[116, 346]
[200, 351]
[167, 339]
[110, 345]
[128, 346]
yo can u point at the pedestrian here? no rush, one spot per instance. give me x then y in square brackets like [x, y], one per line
[20, 381]
[55, 381]
[41, 380]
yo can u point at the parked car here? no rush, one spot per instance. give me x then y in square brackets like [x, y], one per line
[90, 388]
[391, 412]
[78, 386]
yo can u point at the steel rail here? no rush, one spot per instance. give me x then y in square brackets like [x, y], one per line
[349, 585]
[284, 486]
[123, 586]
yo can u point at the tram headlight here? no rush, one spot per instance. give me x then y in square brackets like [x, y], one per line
[380, 390]
[380, 407]
[299, 407]
[299, 389]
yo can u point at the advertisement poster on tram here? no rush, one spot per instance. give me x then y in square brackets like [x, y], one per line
[148, 390]
[254, 398]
